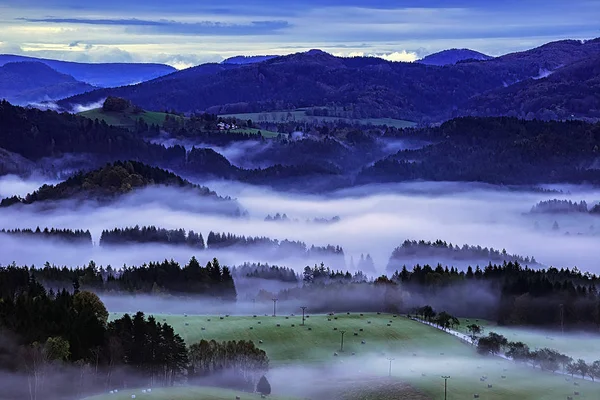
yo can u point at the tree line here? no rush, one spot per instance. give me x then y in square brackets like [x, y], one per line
[556, 206]
[412, 250]
[167, 277]
[61, 344]
[151, 234]
[265, 271]
[77, 236]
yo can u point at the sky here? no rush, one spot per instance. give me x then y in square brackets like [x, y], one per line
[183, 33]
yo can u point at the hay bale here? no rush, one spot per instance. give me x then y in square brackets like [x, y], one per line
[293, 325]
[576, 383]
[361, 329]
[569, 398]
[254, 316]
[251, 327]
[111, 392]
[482, 380]
[390, 321]
[353, 353]
[287, 317]
[144, 391]
[414, 354]
[335, 329]
[362, 342]
[368, 322]
[149, 390]
[227, 315]
[309, 328]
[347, 313]
[208, 320]
[361, 315]
[203, 328]
[423, 374]
[576, 393]
[237, 397]
[378, 313]
[133, 396]
[278, 325]
[389, 324]
[475, 396]
[335, 354]
[258, 322]
[292, 315]
[262, 396]
[503, 377]
[328, 319]
[221, 318]
[355, 333]
[260, 341]
[489, 386]
[394, 316]
[164, 319]
[334, 317]
[186, 324]
[441, 354]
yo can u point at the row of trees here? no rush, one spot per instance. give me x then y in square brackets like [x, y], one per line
[556, 206]
[546, 359]
[151, 234]
[284, 218]
[212, 280]
[265, 271]
[438, 250]
[77, 236]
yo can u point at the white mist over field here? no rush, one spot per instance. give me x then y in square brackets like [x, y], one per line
[374, 219]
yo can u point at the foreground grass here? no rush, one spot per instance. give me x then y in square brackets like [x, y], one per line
[183, 393]
[422, 355]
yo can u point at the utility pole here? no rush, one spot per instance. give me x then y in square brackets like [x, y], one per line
[562, 318]
[274, 306]
[445, 378]
[390, 359]
[342, 346]
[303, 308]
[254, 305]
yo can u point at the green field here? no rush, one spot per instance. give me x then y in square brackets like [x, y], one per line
[300, 116]
[182, 393]
[125, 119]
[417, 349]
[585, 346]
[264, 133]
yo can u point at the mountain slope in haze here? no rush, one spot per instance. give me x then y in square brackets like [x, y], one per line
[571, 91]
[372, 86]
[246, 59]
[26, 82]
[101, 75]
[452, 56]
[114, 180]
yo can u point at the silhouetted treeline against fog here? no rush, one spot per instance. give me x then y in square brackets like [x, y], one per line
[365, 263]
[412, 250]
[67, 235]
[60, 345]
[151, 234]
[167, 277]
[265, 271]
[284, 218]
[556, 206]
[283, 248]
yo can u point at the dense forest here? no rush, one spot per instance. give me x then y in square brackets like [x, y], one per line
[265, 271]
[61, 345]
[76, 236]
[504, 151]
[441, 251]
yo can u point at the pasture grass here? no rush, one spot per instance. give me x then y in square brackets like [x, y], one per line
[126, 119]
[183, 393]
[422, 355]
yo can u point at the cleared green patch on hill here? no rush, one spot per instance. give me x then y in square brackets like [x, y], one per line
[422, 355]
[127, 118]
[300, 116]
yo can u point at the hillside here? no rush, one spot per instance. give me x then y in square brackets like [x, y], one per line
[109, 182]
[26, 82]
[102, 75]
[452, 56]
[570, 92]
[372, 86]
[127, 118]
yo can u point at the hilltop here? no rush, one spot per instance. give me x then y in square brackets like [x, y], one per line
[452, 56]
[110, 182]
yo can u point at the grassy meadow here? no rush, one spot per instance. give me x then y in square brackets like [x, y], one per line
[125, 119]
[422, 354]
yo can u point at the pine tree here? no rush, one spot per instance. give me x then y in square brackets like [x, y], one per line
[263, 386]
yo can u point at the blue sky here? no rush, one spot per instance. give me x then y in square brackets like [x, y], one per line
[188, 32]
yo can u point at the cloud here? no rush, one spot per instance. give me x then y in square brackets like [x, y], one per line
[176, 27]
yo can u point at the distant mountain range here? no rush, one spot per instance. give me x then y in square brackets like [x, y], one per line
[26, 82]
[101, 75]
[452, 56]
[370, 86]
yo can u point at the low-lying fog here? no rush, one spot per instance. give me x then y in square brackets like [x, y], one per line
[374, 219]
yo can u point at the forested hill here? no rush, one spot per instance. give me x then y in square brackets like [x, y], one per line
[112, 181]
[371, 86]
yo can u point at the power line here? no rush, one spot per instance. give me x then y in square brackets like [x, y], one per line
[274, 306]
[342, 346]
[303, 308]
[390, 359]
